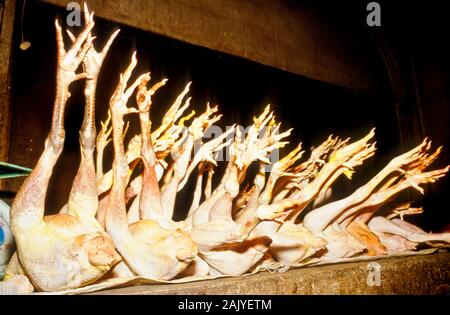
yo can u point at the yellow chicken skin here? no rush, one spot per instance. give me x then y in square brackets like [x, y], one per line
[64, 251]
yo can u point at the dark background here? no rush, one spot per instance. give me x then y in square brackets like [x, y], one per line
[403, 112]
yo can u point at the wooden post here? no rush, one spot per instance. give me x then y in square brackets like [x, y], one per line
[6, 33]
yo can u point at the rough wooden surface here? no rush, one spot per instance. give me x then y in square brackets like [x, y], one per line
[325, 43]
[6, 28]
[422, 274]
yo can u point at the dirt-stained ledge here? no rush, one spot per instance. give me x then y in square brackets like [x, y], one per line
[421, 274]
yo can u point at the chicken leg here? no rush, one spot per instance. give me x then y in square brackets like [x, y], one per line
[156, 253]
[83, 198]
[58, 252]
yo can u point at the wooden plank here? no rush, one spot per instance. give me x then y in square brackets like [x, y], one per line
[419, 274]
[320, 43]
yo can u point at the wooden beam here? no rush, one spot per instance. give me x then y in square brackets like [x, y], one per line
[318, 43]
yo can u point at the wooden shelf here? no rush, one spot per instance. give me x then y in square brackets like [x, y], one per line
[420, 274]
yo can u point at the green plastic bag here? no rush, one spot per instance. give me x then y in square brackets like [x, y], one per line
[8, 170]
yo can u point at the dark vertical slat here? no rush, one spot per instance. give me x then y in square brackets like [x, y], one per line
[7, 21]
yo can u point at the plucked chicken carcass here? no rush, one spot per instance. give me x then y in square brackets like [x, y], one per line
[65, 251]
[348, 217]
[119, 223]
[147, 248]
[289, 238]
